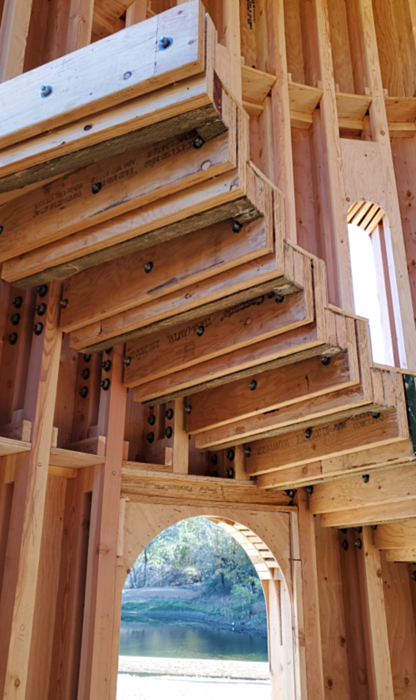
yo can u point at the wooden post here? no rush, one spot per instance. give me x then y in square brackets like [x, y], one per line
[375, 632]
[233, 43]
[136, 12]
[13, 36]
[80, 24]
[314, 668]
[180, 439]
[97, 643]
[18, 596]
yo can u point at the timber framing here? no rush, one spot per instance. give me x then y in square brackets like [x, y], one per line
[178, 335]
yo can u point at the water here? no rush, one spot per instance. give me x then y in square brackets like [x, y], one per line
[190, 642]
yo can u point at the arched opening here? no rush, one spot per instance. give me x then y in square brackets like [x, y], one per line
[277, 605]
[368, 233]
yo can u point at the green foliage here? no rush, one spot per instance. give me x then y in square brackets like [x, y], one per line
[242, 600]
[194, 551]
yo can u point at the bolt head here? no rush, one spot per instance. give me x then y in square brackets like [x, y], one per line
[83, 392]
[168, 432]
[188, 408]
[165, 42]
[169, 413]
[105, 384]
[46, 90]
[150, 437]
[230, 455]
[127, 361]
[15, 319]
[326, 360]
[43, 290]
[40, 309]
[366, 478]
[96, 187]
[252, 385]
[230, 473]
[308, 433]
[291, 492]
[37, 328]
[17, 302]
[127, 75]
[107, 364]
[375, 414]
[279, 299]
[309, 490]
[151, 419]
[13, 338]
[87, 358]
[198, 142]
[214, 459]
[247, 451]
[1, 229]
[63, 303]
[200, 330]
[148, 267]
[85, 373]
[358, 543]
[344, 544]
[237, 226]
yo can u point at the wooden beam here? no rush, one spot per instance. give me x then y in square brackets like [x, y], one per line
[17, 603]
[137, 48]
[370, 514]
[79, 25]
[396, 535]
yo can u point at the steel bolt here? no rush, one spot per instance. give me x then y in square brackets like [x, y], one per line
[230, 473]
[291, 492]
[43, 290]
[87, 358]
[37, 328]
[40, 309]
[63, 303]
[85, 373]
[150, 437]
[252, 385]
[309, 490]
[84, 392]
[375, 415]
[366, 478]
[108, 351]
[230, 455]
[326, 360]
[13, 338]
[279, 299]
[17, 302]
[127, 75]
[237, 226]
[358, 529]
[344, 544]
[198, 142]
[151, 419]
[105, 384]
[15, 319]
[148, 267]
[96, 187]
[247, 451]
[169, 413]
[188, 408]
[168, 432]
[127, 361]
[46, 90]
[308, 433]
[358, 543]
[165, 42]
[107, 364]
[200, 330]
[214, 459]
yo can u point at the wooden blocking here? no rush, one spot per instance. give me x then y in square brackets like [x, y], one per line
[129, 63]
[269, 391]
[334, 438]
[395, 536]
[140, 277]
[109, 188]
[207, 337]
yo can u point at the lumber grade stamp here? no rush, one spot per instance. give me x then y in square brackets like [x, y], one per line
[111, 187]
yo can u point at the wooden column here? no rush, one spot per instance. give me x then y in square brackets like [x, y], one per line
[80, 24]
[233, 43]
[13, 36]
[375, 622]
[312, 625]
[136, 12]
[329, 153]
[97, 643]
[402, 298]
[281, 126]
[18, 596]
[180, 439]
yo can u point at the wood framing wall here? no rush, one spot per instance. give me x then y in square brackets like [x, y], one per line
[178, 335]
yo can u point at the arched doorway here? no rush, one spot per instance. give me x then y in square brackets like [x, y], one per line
[265, 536]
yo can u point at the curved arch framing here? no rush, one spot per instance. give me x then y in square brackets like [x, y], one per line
[266, 538]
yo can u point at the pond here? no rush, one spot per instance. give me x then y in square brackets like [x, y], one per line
[190, 642]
